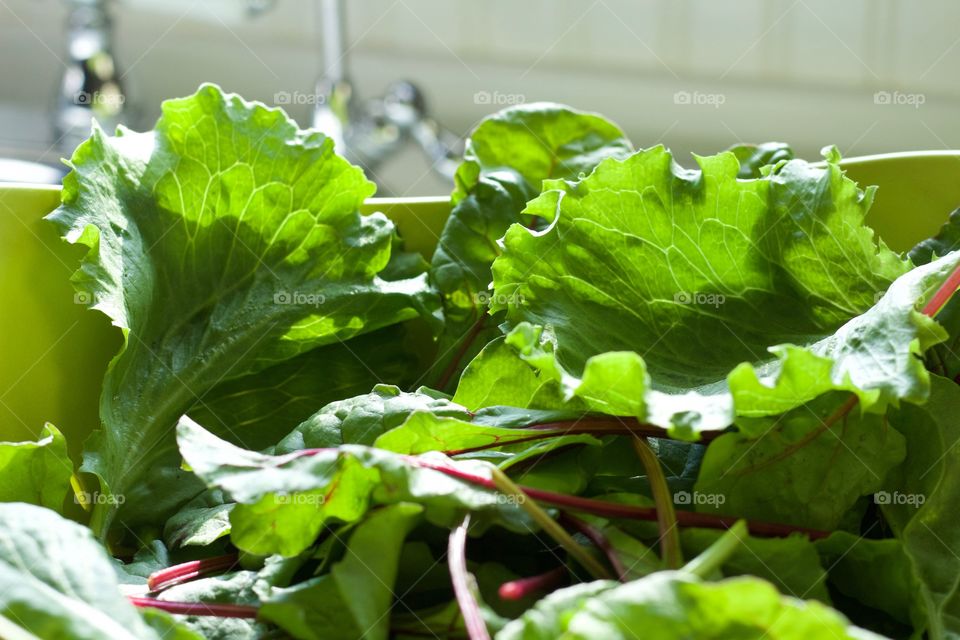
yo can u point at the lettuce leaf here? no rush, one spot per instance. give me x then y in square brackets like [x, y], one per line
[688, 297]
[223, 242]
[507, 157]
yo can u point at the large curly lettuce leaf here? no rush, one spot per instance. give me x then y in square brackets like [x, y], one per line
[688, 297]
[222, 243]
[507, 158]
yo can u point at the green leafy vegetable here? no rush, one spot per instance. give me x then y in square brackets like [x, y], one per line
[746, 297]
[56, 581]
[507, 158]
[36, 472]
[222, 243]
[258, 410]
[943, 359]
[662, 353]
[201, 521]
[329, 606]
[754, 158]
[808, 469]
[362, 419]
[671, 605]
[920, 504]
[875, 572]
[285, 500]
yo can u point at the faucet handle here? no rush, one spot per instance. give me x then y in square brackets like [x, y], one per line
[405, 106]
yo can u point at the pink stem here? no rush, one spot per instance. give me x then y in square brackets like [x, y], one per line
[523, 587]
[457, 559]
[187, 571]
[599, 540]
[617, 510]
[601, 507]
[943, 294]
[197, 608]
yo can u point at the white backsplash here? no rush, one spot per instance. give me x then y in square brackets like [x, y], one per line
[802, 71]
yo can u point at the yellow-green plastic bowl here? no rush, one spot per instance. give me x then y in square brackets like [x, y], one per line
[54, 351]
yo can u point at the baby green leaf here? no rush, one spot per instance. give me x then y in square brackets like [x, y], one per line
[36, 472]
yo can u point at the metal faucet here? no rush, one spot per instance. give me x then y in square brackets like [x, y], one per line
[369, 133]
[90, 86]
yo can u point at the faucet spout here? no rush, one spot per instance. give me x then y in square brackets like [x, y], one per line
[370, 133]
[91, 84]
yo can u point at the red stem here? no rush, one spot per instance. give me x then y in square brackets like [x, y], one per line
[187, 571]
[617, 510]
[599, 540]
[523, 587]
[457, 560]
[943, 294]
[601, 507]
[197, 608]
[598, 426]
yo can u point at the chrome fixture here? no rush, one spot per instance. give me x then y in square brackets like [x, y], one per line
[90, 86]
[368, 133]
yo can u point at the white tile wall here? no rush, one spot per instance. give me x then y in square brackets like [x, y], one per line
[804, 71]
